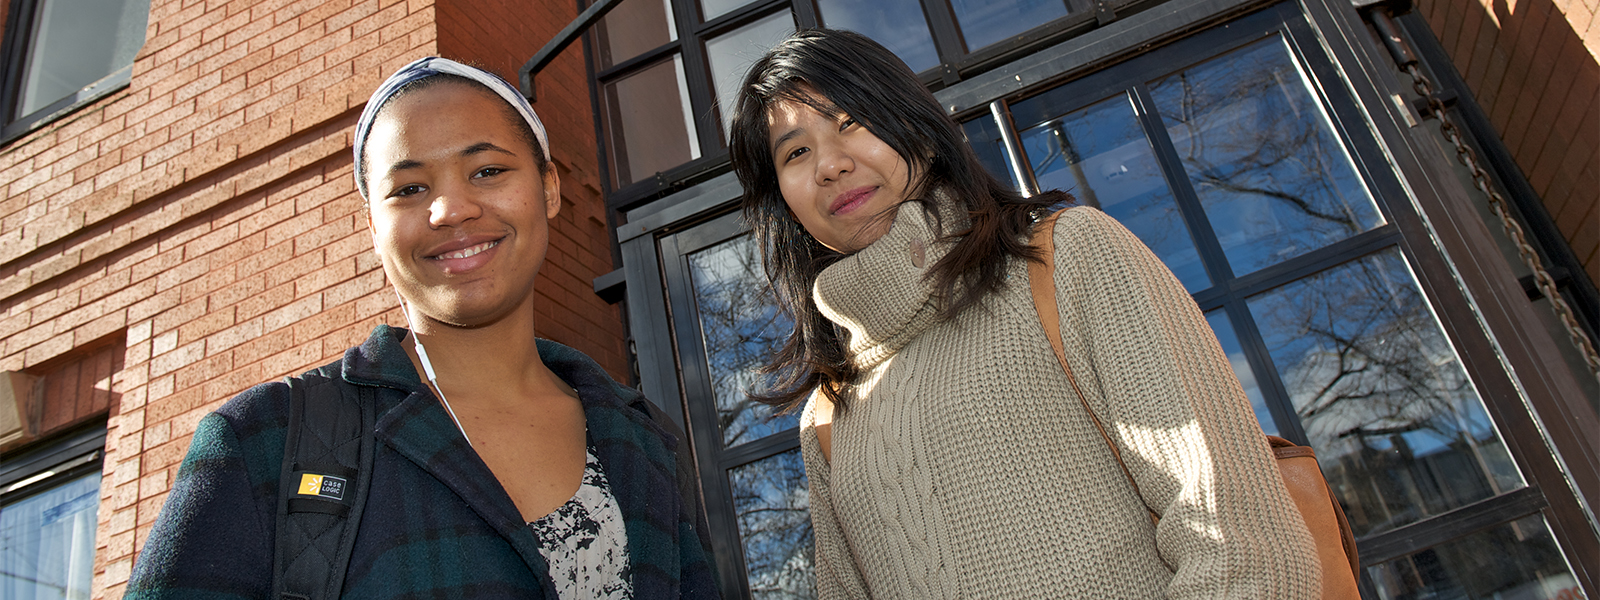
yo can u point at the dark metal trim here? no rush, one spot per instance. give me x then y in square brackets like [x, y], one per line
[552, 48]
[1552, 244]
[66, 450]
[673, 209]
[1077, 55]
[612, 286]
[1458, 523]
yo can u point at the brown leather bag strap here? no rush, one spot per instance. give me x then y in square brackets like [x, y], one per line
[1041, 279]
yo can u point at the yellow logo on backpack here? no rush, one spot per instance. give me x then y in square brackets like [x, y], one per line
[326, 486]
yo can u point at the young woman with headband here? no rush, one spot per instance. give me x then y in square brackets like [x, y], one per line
[505, 466]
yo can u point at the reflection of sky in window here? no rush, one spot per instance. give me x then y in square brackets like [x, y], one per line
[711, 9]
[741, 326]
[730, 56]
[1241, 368]
[1263, 157]
[985, 22]
[47, 541]
[1101, 155]
[773, 503]
[897, 24]
[1381, 394]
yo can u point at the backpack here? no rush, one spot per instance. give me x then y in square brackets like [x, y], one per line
[322, 488]
[1335, 541]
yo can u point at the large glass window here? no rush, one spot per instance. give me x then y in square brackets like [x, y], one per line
[730, 56]
[897, 24]
[66, 51]
[48, 541]
[711, 43]
[727, 326]
[648, 122]
[49, 501]
[1222, 154]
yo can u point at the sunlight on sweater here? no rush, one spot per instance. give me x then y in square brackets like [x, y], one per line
[1179, 450]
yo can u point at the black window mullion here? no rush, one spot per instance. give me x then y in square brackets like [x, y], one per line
[697, 77]
[806, 14]
[701, 406]
[947, 39]
[1273, 391]
[1194, 214]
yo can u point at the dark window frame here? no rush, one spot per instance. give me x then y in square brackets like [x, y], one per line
[955, 65]
[19, 32]
[1356, 71]
[1404, 230]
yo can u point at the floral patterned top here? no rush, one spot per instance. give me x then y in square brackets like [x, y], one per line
[585, 543]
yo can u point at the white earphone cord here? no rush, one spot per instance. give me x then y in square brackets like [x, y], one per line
[427, 366]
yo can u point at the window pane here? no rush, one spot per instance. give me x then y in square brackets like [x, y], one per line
[1264, 159]
[983, 134]
[1101, 155]
[773, 505]
[731, 54]
[79, 42]
[632, 28]
[741, 326]
[1519, 559]
[711, 9]
[1223, 326]
[985, 22]
[897, 24]
[48, 542]
[1398, 427]
[649, 127]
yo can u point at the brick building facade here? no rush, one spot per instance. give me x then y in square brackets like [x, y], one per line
[199, 231]
[168, 244]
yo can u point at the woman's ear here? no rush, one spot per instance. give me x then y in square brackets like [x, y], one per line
[552, 193]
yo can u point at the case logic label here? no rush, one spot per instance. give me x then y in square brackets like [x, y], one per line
[326, 486]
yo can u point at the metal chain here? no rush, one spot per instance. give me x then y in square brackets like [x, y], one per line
[1480, 180]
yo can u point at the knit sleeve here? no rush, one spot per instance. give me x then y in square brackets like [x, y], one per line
[837, 578]
[1163, 387]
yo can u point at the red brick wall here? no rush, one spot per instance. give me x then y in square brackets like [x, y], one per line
[1532, 65]
[206, 218]
[77, 387]
[500, 35]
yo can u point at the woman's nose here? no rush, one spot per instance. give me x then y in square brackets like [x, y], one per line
[833, 162]
[453, 207]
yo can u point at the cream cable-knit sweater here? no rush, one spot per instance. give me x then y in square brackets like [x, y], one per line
[965, 468]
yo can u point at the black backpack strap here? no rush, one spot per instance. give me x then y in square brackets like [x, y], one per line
[327, 467]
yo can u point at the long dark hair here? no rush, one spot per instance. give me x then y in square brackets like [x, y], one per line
[842, 72]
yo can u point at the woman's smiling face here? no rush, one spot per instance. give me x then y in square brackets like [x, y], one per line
[840, 181]
[459, 208]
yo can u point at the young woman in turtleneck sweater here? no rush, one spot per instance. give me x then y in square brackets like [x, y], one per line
[947, 454]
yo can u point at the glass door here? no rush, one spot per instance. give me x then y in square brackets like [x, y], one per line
[1239, 159]
[726, 324]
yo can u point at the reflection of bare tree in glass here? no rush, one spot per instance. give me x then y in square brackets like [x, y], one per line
[773, 506]
[1397, 425]
[741, 326]
[1101, 154]
[1265, 161]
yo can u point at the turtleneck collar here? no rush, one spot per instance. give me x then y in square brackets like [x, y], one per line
[880, 294]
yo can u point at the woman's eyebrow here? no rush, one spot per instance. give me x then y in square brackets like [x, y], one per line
[477, 148]
[791, 134]
[484, 147]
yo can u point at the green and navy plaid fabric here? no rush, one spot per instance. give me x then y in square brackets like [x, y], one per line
[437, 523]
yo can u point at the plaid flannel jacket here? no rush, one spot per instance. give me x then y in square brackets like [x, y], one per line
[437, 523]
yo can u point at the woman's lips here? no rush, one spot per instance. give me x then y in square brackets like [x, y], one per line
[466, 259]
[849, 201]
